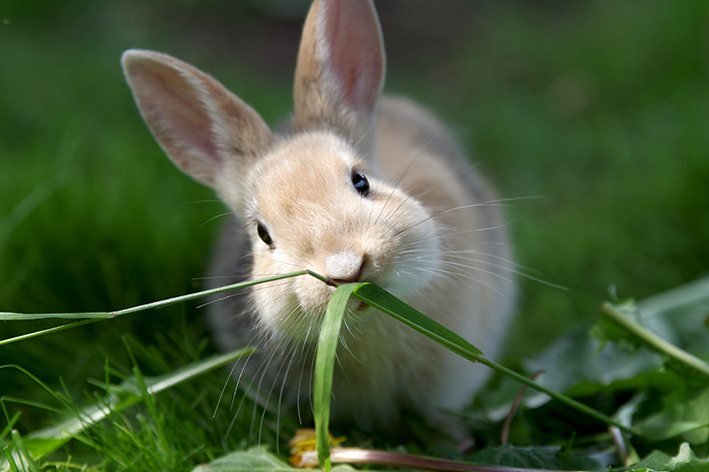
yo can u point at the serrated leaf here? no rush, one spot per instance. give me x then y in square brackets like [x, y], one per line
[548, 458]
[255, 460]
[685, 412]
[684, 461]
[572, 366]
[622, 324]
[251, 460]
[608, 331]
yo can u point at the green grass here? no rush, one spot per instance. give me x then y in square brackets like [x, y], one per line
[682, 418]
[600, 107]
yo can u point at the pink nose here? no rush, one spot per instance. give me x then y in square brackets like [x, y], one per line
[345, 266]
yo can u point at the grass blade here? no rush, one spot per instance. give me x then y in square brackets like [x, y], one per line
[324, 367]
[45, 441]
[102, 315]
[10, 424]
[24, 456]
[392, 306]
[92, 317]
[36, 334]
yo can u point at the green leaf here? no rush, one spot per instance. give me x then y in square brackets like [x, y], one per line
[254, 460]
[549, 458]
[607, 330]
[622, 324]
[690, 297]
[392, 306]
[573, 365]
[685, 412]
[324, 367]
[684, 461]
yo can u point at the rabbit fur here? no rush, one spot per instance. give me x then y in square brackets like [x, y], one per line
[357, 189]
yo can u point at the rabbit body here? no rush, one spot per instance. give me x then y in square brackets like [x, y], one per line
[359, 189]
[382, 364]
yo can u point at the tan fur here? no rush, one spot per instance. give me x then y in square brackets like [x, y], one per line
[199, 123]
[427, 231]
[320, 95]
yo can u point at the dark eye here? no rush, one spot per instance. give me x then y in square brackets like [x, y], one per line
[360, 182]
[265, 237]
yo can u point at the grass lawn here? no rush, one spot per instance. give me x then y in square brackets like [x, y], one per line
[598, 110]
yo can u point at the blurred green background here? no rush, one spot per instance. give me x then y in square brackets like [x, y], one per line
[600, 108]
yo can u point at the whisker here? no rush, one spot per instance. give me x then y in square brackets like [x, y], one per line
[218, 216]
[216, 200]
[398, 182]
[364, 135]
[477, 269]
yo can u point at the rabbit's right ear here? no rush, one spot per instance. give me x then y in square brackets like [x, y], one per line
[195, 119]
[340, 70]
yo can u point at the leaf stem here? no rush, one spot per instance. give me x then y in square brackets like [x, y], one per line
[653, 341]
[92, 317]
[159, 304]
[382, 301]
[556, 396]
[351, 455]
[687, 294]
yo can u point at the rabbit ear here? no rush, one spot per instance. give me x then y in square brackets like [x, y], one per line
[198, 122]
[340, 71]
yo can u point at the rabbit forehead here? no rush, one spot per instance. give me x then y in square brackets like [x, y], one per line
[304, 175]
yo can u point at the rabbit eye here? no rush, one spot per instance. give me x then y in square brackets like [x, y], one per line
[360, 182]
[265, 237]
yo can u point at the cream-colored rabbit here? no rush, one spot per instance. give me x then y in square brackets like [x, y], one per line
[358, 190]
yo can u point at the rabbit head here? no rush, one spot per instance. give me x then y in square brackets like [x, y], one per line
[315, 199]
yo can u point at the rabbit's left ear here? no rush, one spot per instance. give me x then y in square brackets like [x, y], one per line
[340, 71]
[203, 127]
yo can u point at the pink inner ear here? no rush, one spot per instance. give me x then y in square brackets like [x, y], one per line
[190, 118]
[355, 51]
[176, 114]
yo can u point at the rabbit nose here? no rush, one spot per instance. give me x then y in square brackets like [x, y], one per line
[345, 266]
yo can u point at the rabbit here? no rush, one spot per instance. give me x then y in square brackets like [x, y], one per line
[357, 188]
